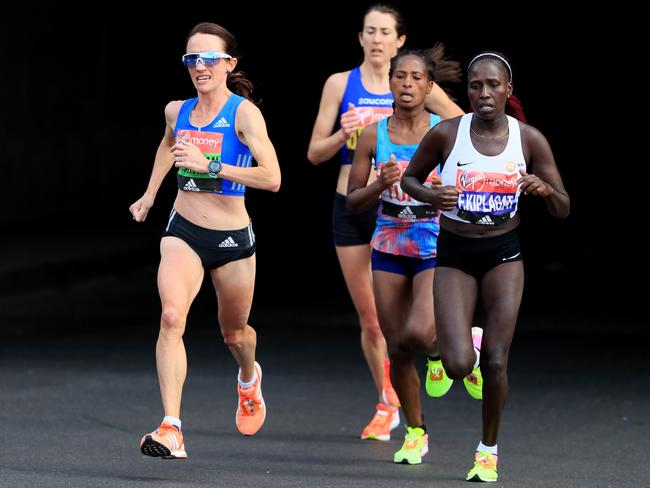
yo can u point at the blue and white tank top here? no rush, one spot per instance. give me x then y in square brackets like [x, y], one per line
[405, 226]
[219, 142]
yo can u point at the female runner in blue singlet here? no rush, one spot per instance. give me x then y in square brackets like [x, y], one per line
[350, 101]
[404, 242]
[489, 159]
[211, 139]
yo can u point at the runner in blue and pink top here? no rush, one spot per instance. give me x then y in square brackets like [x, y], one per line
[352, 100]
[404, 241]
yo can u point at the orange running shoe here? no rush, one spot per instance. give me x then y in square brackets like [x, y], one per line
[165, 442]
[389, 393]
[386, 419]
[251, 410]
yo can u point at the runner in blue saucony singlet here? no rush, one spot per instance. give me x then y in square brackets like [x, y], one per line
[211, 139]
[489, 159]
[405, 239]
[350, 101]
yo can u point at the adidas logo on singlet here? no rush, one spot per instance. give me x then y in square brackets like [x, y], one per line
[222, 122]
[407, 213]
[191, 186]
[486, 220]
[229, 242]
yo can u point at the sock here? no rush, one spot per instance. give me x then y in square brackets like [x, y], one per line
[490, 449]
[173, 420]
[423, 427]
[384, 401]
[478, 357]
[247, 384]
[431, 357]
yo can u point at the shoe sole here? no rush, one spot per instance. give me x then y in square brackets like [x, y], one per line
[477, 479]
[152, 448]
[382, 437]
[406, 461]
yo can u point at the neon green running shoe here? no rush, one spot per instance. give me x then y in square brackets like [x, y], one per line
[485, 468]
[474, 384]
[416, 445]
[437, 382]
[474, 380]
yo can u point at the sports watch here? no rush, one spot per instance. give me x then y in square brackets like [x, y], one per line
[214, 167]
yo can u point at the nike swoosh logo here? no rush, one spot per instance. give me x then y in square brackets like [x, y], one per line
[511, 257]
[463, 164]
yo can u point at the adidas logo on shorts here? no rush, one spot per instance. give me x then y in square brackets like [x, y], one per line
[407, 213]
[229, 242]
[222, 122]
[191, 186]
[485, 221]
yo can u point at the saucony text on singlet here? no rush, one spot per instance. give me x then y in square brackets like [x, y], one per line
[370, 107]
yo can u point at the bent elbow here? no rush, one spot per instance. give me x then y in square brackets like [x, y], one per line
[274, 184]
[352, 205]
[313, 158]
[562, 211]
[405, 187]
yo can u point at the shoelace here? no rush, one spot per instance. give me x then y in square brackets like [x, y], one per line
[411, 440]
[436, 374]
[410, 443]
[379, 419]
[485, 461]
[249, 403]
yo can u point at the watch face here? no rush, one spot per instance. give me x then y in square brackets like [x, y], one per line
[214, 167]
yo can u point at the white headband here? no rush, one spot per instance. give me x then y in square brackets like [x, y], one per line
[495, 56]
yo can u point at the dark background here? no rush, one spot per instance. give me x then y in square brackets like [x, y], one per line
[83, 91]
[84, 94]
